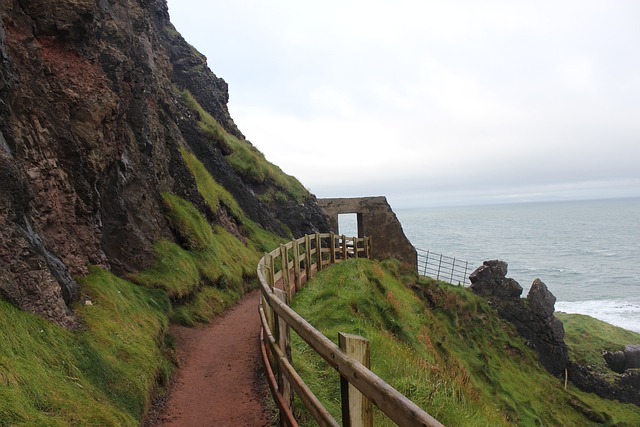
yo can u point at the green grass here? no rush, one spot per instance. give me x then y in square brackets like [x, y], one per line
[213, 258]
[363, 298]
[102, 374]
[216, 197]
[212, 255]
[192, 227]
[105, 373]
[205, 305]
[213, 193]
[443, 347]
[174, 270]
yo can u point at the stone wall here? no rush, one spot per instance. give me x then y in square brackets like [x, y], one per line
[377, 220]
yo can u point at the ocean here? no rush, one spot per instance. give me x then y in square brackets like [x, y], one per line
[586, 252]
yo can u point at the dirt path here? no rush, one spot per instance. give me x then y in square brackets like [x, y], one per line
[218, 383]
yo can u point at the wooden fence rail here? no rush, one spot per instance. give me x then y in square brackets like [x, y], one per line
[282, 272]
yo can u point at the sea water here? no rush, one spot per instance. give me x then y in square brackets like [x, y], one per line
[586, 252]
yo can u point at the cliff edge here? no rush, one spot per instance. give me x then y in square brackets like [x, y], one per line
[99, 102]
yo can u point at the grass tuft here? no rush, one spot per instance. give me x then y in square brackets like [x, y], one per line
[213, 193]
[188, 222]
[174, 270]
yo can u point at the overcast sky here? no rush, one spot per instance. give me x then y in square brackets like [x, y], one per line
[433, 102]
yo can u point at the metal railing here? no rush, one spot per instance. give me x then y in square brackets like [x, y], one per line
[442, 267]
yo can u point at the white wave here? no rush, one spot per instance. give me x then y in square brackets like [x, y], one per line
[625, 314]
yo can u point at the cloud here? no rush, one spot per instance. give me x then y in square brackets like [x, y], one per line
[425, 100]
[577, 74]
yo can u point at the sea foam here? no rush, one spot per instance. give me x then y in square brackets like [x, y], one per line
[619, 313]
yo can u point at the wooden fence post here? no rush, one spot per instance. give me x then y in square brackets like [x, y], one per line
[296, 266]
[269, 315]
[356, 243]
[272, 272]
[356, 408]
[284, 342]
[345, 255]
[286, 277]
[307, 256]
[332, 248]
[319, 251]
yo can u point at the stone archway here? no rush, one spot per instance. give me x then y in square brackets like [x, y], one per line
[377, 220]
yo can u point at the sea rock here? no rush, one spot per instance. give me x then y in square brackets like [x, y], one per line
[541, 301]
[625, 389]
[533, 317]
[632, 355]
[490, 280]
[616, 360]
[620, 361]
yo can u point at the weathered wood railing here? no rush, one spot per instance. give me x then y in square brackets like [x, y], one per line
[282, 272]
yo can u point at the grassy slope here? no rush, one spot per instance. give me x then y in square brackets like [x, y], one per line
[454, 356]
[588, 337]
[105, 373]
[100, 375]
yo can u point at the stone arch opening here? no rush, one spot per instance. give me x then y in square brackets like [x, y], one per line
[349, 224]
[375, 219]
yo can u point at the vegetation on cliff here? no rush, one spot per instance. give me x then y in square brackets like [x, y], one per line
[129, 186]
[588, 337]
[101, 374]
[114, 137]
[443, 347]
[249, 162]
[105, 371]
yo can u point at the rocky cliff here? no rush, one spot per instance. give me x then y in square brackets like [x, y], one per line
[533, 317]
[99, 100]
[536, 322]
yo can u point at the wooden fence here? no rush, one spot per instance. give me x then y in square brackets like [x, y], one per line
[282, 272]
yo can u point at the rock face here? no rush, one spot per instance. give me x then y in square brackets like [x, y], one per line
[626, 388]
[375, 219]
[91, 124]
[620, 361]
[490, 280]
[533, 317]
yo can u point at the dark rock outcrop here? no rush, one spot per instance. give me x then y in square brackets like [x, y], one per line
[533, 317]
[620, 361]
[534, 320]
[626, 388]
[91, 125]
[490, 280]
